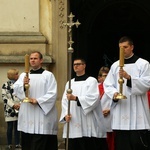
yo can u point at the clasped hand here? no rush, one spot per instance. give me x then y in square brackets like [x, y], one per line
[16, 106]
[124, 74]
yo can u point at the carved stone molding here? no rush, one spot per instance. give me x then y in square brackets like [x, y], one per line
[20, 59]
[61, 7]
[14, 45]
[22, 37]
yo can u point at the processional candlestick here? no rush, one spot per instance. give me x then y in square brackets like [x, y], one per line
[121, 80]
[27, 100]
[70, 24]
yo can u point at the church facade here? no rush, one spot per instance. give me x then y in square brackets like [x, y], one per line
[28, 26]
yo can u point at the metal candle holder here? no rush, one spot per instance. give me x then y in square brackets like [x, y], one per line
[121, 80]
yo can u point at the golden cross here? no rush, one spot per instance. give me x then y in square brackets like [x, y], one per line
[70, 24]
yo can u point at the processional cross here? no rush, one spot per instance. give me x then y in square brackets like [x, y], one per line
[70, 24]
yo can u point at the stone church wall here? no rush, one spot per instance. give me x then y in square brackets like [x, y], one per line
[25, 28]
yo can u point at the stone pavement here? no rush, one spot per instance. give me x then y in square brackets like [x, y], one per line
[5, 147]
[61, 146]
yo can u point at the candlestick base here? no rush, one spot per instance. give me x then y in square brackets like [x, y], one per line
[120, 96]
[26, 100]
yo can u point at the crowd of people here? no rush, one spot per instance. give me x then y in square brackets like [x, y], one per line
[97, 119]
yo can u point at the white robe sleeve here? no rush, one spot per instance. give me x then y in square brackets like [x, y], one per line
[91, 99]
[43, 88]
[48, 100]
[141, 77]
[111, 84]
[19, 87]
[64, 105]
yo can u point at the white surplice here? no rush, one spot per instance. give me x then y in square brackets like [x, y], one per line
[133, 112]
[40, 118]
[87, 120]
[106, 103]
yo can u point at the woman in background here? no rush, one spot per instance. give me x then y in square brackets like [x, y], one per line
[11, 107]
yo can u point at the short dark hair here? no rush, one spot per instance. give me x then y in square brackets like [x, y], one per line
[82, 59]
[40, 54]
[126, 39]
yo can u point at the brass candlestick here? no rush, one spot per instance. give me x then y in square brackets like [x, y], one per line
[27, 100]
[121, 80]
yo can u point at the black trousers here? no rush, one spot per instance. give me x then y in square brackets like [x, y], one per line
[87, 143]
[39, 142]
[131, 140]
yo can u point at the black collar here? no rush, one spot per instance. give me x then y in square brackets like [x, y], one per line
[39, 71]
[131, 60]
[81, 78]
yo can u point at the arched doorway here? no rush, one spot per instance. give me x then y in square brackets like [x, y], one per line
[102, 25]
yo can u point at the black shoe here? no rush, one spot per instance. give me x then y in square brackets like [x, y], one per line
[18, 146]
[9, 146]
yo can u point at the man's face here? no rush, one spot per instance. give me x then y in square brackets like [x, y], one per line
[35, 61]
[128, 49]
[79, 66]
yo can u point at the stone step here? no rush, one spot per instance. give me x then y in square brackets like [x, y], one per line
[61, 146]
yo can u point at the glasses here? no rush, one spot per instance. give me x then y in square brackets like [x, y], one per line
[78, 64]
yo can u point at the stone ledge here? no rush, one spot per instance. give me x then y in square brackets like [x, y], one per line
[22, 37]
[21, 60]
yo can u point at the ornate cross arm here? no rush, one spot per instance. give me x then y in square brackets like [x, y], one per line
[70, 24]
